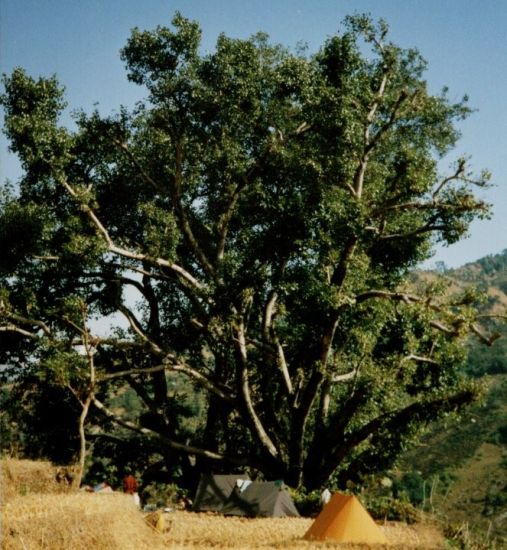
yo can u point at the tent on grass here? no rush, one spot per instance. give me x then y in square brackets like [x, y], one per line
[261, 499]
[214, 491]
[343, 519]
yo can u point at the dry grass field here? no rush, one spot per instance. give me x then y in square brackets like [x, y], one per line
[37, 513]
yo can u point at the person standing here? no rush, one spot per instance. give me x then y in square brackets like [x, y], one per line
[130, 487]
[129, 484]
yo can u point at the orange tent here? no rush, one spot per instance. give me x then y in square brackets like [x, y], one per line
[344, 519]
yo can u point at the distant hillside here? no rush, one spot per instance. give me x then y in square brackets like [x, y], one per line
[492, 268]
[463, 464]
[488, 274]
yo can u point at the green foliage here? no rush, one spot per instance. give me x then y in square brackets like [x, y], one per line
[483, 361]
[308, 503]
[392, 509]
[39, 421]
[500, 436]
[254, 222]
[410, 487]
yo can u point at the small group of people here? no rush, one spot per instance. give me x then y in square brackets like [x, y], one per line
[129, 487]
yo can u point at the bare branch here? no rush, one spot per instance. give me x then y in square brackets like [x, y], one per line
[459, 172]
[377, 99]
[393, 117]
[492, 316]
[87, 210]
[302, 128]
[361, 169]
[137, 328]
[344, 377]
[399, 296]
[28, 321]
[442, 328]
[282, 363]
[270, 336]
[48, 258]
[13, 328]
[202, 380]
[415, 205]
[488, 340]
[160, 262]
[76, 327]
[269, 309]
[223, 222]
[420, 359]
[130, 372]
[426, 228]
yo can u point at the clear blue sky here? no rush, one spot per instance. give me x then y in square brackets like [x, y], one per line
[464, 41]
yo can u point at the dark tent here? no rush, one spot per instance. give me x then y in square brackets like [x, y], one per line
[214, 491]
[260, 499]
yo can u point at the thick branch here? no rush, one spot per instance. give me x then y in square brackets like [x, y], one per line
[225, 218]
[344, 377]
[426, 228]
[244, 388]
[202, 380]
[13, 328]
[180, 447]
[488, 340]
[32, 322]
[159, 262]
[197, 376]
[269, 309]
[270, 336]
[137, 328]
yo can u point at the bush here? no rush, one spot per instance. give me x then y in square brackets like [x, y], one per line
[308, 504]
[162, 495]
[390, 508]
[410, 487]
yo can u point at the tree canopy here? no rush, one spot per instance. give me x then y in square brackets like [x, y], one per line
[254, 220]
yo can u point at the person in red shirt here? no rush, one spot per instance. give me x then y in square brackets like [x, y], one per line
[129, 484]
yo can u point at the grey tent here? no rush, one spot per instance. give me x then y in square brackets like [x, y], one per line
[261, 499]
[214, 491]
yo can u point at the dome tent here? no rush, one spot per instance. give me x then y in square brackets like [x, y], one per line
[269, 499]
[213, 491]
[236, 495]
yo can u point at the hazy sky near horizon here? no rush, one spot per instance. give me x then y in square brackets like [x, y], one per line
[464, 42]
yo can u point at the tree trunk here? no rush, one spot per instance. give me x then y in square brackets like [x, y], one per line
[85, 407]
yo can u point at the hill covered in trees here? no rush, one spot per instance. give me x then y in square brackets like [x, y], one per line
[460, 467]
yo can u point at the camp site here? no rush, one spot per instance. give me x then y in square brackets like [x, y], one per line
[253, 274]
[41, 512]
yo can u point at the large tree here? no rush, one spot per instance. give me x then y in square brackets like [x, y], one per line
[254, 220]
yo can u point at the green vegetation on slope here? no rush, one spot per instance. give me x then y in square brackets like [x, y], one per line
[462, 464]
